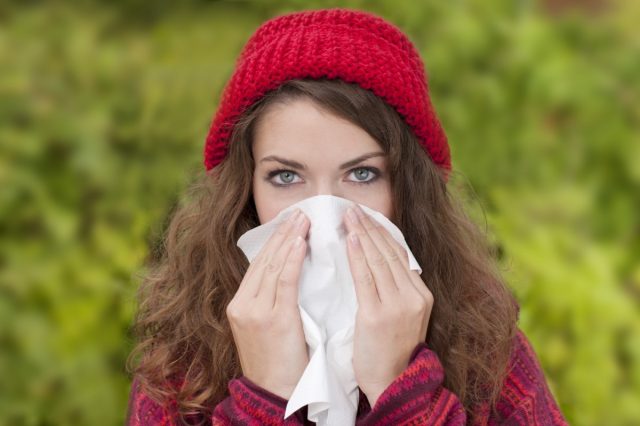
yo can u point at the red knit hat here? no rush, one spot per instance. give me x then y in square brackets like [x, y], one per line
[354, 46]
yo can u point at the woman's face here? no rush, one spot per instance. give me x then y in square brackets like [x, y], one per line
[301, 151]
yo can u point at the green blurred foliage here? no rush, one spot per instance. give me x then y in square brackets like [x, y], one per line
[103, 112]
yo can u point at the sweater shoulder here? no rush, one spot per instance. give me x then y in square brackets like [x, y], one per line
[525, 369]
[525, 389]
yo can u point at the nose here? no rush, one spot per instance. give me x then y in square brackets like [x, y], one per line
[326, 188]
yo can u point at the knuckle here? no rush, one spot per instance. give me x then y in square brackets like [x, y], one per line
[418, 306]
[392, 255]
[291, 260]
[231, 311]
[428, 297]
[359, 257]
[283, 281]
[271, 267]
[366, 279]
[260, 258]
[235, 313]
[378, 260]
[423, 288]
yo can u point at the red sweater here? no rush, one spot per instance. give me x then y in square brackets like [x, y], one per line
[416, 397]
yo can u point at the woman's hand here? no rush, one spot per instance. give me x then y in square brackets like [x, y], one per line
[394, 304]
[264, 314]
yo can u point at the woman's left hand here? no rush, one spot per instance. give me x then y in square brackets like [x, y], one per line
[394, 304]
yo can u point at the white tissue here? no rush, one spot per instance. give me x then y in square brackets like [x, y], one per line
[328, 305]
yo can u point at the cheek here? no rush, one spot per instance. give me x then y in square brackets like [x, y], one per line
[380, 201]
[268, 202]
[261, 201]
[381, 205]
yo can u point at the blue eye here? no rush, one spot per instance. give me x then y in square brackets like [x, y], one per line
[282, 177]
[286, 176]
[366, 173]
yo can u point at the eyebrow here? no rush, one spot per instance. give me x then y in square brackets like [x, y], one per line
[301, 166]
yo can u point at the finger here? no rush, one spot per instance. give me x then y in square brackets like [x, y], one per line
[401, 251]
[251, 282]
[266, 293]
[413, 275]
[383, 278]
[287, 286]
[276, 239]
[394, 259]
[272, 270]
[366, 291]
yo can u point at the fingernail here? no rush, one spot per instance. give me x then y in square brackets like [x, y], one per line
[352, 216]
[354, 239]
[300, 221]
[297, 244]
[359, 211]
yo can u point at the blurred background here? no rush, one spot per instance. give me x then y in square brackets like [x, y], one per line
[104, 107]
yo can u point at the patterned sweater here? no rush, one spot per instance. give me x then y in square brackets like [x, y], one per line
[415, 397]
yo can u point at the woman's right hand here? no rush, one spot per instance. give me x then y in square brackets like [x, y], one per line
[264, 315]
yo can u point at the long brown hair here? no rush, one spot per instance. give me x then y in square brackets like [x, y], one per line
[186, 350]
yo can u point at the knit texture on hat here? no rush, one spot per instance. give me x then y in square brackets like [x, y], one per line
[354, 46]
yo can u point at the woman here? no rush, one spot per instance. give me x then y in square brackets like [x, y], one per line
[330, 102]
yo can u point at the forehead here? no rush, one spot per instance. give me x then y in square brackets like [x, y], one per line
[302, 129]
